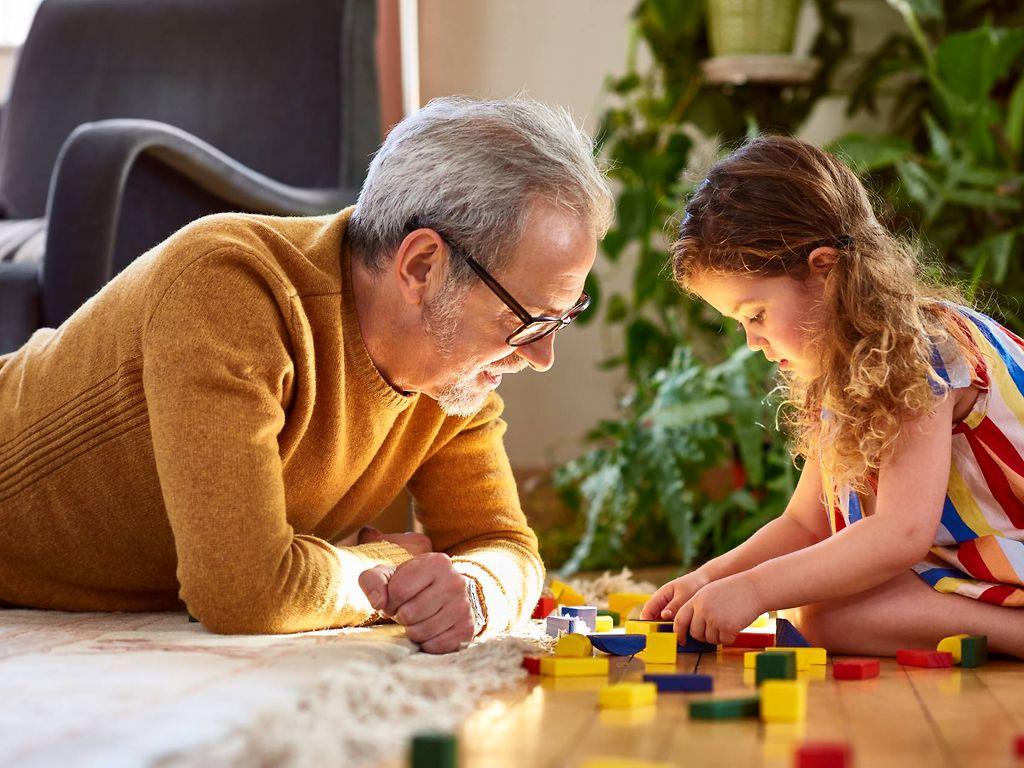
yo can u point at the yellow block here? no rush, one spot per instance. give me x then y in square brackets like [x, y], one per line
[566, 595]
[622, 762]
[578, 646]
[951, 645]
[750, 659]
[623, 603]
[661, 648]
[637, 627]
[628, 695]
[806, 656]
[563, 666]
[783, 701]
[760, 621]
[604, 624]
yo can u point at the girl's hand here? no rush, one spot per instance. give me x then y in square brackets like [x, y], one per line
[666, 601]
[720, 610]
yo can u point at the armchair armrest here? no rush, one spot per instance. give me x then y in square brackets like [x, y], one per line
[88, 184]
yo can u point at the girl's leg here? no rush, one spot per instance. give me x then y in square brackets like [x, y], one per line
[906, 613]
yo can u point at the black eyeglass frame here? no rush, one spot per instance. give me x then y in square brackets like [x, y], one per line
[558, 322]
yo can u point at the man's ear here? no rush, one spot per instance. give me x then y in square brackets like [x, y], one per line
[419, 265]
[821, 260]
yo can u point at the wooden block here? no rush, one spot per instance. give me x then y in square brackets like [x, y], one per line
[750, 659]
[562, 666]
[566, 595]
[788, 635]
[624, 603]
[616, 618]
[923, 657]
[974, 651]
[760, 621]
[574, 646]
[433, 750]
[619, 645]
[670, 683]
[855, 669]
[585, 613]
[783, 701]
[696, 646]
[753, 640]
[661, 648]
[604, 623]
[805, 656]
[724, 709]
[951, 645]
[824, 754]
[647, 626]
[628, 695]
[532, 664]
[544, 607]
[557, 625]
[775, 665]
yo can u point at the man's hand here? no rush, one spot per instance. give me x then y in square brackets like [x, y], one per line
[412, 542]
[427, 596]
[720, 610]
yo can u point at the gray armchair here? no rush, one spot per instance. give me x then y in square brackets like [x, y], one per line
[129, 118]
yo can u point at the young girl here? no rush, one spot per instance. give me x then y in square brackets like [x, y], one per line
[907, 524]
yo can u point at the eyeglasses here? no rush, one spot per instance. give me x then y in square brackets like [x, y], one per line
[533, 328]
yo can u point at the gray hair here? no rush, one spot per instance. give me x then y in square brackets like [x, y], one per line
[472, 169]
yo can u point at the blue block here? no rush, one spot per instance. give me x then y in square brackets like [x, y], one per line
[681, 682]
[585, 613]
[696, 646]
[788, 636]
[619, 645]
[556, 625]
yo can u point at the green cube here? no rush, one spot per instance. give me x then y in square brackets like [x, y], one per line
[973, 651]
[433, 750]
[725, 709]
[775, 665]
[616, 619]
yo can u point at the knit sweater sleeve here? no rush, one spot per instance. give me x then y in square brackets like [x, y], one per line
[217, 368]
[466, 498]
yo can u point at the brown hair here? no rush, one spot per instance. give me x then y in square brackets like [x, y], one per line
[761, 211]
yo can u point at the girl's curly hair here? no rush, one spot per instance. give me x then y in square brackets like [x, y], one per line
[761, 211]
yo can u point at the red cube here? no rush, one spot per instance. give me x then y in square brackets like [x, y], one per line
[855, 669]
[823, 754]
[753, 640]
[923, 657]
[544, 606]
[532, 664]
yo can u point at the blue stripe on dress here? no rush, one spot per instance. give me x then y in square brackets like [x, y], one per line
[1014, 369]
[933, 575]
[854, 513]
[953, 523]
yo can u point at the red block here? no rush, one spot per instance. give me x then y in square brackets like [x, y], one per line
[753, 640]
[824, 754]
[923, 657]
[855, 669]
[544, 606]
[532, 664]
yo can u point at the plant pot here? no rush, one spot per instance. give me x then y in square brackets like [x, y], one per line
[737, 27]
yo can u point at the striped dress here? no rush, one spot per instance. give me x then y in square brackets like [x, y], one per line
[979, 545]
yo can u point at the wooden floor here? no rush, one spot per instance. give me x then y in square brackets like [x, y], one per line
[906, 717]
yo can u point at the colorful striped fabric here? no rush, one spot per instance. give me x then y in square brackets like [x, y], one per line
[979, 545]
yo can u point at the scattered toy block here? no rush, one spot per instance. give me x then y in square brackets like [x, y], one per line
[616, 618]
[566, 595]
[563, 666]
[750, 659]
[824, 754]
[671, 683]
[648, 626]
[775, 665]
[433, 750]
[532, 664]
[619, 645]
[724, 709]
[788, 635]
[973, 651]
[604, 623]
[556, 625]
[783, 701]
[951, 645]
[585, 613]
[753, 640]
[855, 669]
[661, 648]
[623, 603]
[805, 655]
[696, 646]
[760, 621]
[574, 646]
[544, 607]
[923, 657]
[628, 695]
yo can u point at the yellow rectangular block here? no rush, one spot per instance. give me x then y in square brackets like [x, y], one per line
[661, 648]
[628, 695]
[952, 645]
[604, 624]
[750, 659]
[783, 701]
[562, 666]
[638, 627]
[566, 595]
[805, 656]
[623, 603]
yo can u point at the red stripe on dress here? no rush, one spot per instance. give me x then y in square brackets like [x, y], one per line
[972, 561]
[980, 438]
[837, 515]
[996, 595]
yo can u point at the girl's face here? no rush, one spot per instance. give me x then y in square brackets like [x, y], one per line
[780, 315]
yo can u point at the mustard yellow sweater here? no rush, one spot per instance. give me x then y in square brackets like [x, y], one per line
[203, 428]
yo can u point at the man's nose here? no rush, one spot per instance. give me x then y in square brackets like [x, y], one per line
[540, 355]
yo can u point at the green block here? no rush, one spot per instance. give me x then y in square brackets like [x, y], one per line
[616, 619]
[725, 709]
[973, 651]
[433, 750]
[775, 665]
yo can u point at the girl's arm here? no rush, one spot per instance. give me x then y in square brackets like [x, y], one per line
[911, 488]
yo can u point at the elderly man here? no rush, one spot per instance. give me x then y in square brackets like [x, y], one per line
[214, 424]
